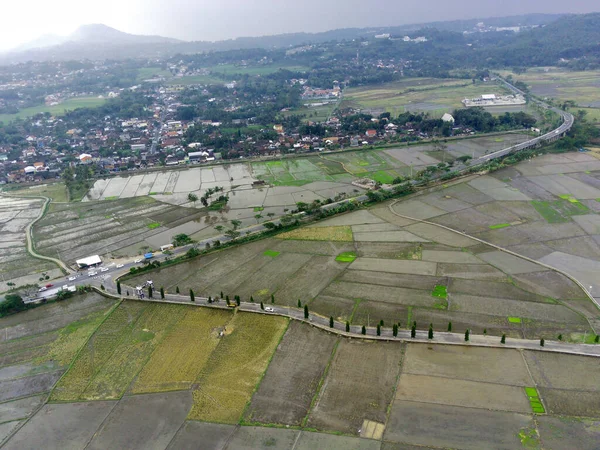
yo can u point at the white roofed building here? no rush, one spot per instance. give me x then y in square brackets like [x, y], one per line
[448, 118]
[90, 261]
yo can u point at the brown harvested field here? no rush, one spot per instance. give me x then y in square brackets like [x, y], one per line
[312, 441]
[469, 394]
[307, 282]
[394, 266]
[337, 307]
[21, 408]
[201, 272]
[51, 317]
[559, 433]
[441, 236]
[61, 426]
[245, 438]
[369, 313]
[387, 294]
[330, 248]
[270, 277]
[471, 272]
[514, 308]
[359, 386]
[549, 284]
[293, 376]
[571, 403]
[554, 370]
[501, 366]
[461, 321]
[143, 421]
[410, 281]
[213, 436]
[26, 386]
[492, 289]
[444, 426]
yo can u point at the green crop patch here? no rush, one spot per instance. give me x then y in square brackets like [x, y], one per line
[514, 319]
[440, 291]
[153, 225]
[346, 257]
[560, 211]
[498, 226]
[271, 253]
[534, 400]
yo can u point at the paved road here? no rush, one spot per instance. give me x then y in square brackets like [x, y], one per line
[386, 333]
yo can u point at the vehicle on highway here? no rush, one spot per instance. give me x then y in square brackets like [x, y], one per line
[49, 285]
[120, 265]
[139, 260]
[269, 309]
[92, 274]
[72, 278]
[103, 269]
[42, 289]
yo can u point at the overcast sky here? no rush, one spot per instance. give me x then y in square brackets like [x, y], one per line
[25, 20]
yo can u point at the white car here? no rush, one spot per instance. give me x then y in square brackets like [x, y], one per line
[72, 278]
[92, 274]
[42, 289]
[120, 265]
[103, 269]
[139, 260]
[269, 309]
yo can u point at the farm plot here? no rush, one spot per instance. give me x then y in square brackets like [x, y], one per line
[285, 393]
[456, 392]
[569, 432]
[433, 425]
[111, 380]
[35, 353]
[61, 426]
[147, 421]
[181, 355]
[16, 265]
[498, 366]
[78, 230]
[234, 368]
[339, 233]
[98, 351]
[346, 400]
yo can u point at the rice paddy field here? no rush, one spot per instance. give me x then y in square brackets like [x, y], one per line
[217, 377]
[17, 266]
[56, 110]
[113, 228]
[554, 82]
[432, 95]
[377, 264]
[152, 375]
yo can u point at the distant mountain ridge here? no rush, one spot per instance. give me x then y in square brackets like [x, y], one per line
[98, 42]
[94, 34]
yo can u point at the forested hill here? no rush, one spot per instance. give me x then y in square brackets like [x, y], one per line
[570, 37]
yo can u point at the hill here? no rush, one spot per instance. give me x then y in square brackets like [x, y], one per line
[100, 41]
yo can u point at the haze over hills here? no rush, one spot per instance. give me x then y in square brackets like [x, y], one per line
[99, 41]
[94, 34]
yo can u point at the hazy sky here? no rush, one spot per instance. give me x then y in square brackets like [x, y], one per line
[25, 20]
